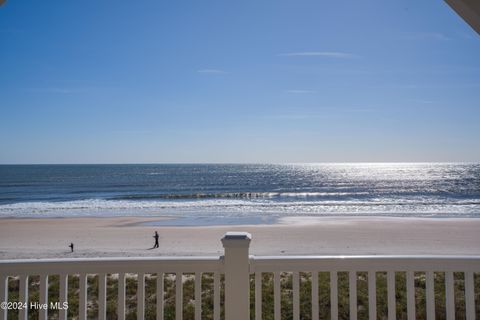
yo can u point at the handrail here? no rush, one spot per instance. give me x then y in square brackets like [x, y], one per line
[364, 263]
[112, 265]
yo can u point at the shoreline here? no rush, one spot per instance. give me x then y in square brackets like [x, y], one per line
[280, 219]
[35, 238]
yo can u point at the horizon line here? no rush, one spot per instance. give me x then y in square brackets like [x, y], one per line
[239, 163]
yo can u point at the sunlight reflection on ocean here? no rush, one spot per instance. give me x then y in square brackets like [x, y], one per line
[232, 190]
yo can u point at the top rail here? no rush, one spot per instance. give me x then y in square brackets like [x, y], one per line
[257, 264]
[364, 263]
[112, 265]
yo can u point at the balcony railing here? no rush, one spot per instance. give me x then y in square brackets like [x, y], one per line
[243, 276]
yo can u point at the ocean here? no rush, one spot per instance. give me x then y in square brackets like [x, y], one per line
[241, 191]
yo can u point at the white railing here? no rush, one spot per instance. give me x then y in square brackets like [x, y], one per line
[240, 272]
[371, 265]
[103, 267]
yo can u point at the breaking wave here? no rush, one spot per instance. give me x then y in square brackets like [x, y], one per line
[236, 195]
[242, 207]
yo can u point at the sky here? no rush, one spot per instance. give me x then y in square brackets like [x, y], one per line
[237, 81]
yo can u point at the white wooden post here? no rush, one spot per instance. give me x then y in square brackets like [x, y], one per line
[237, 275]
[4, 295]
[63, 296]
[23, 297]
[43, 314]
[83, 299]
[121, 296]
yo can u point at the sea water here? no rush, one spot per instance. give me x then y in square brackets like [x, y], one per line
[241, 191]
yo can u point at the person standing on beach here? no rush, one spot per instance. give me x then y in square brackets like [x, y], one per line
[156, 239]
[71, 246]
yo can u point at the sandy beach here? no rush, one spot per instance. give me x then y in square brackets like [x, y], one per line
[131, 236]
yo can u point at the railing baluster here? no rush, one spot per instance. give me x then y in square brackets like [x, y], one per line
[141, 296]
[449, 296]
[160, 290]
[43, 312]
[82, 301]
[296, 295]
[216, 296]
[198, 295]
[3, 295]
[410, 295]
[178, 296]
[121, 296]
[315, 295]
[469, 296]
[277, 299]
[430, 295]
[372, 295]
[23, 314]
[63, 295]
[334, 295]
[102, 296]
[392, 308]
[352, 291]
[258, 296]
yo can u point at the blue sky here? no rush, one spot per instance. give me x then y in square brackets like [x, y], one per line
[245, 81]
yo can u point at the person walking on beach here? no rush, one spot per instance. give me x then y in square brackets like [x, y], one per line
[156, 239]
[71, 246]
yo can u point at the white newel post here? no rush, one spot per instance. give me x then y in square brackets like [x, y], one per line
[237, 275]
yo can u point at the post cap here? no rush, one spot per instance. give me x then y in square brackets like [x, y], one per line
[236, 239]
